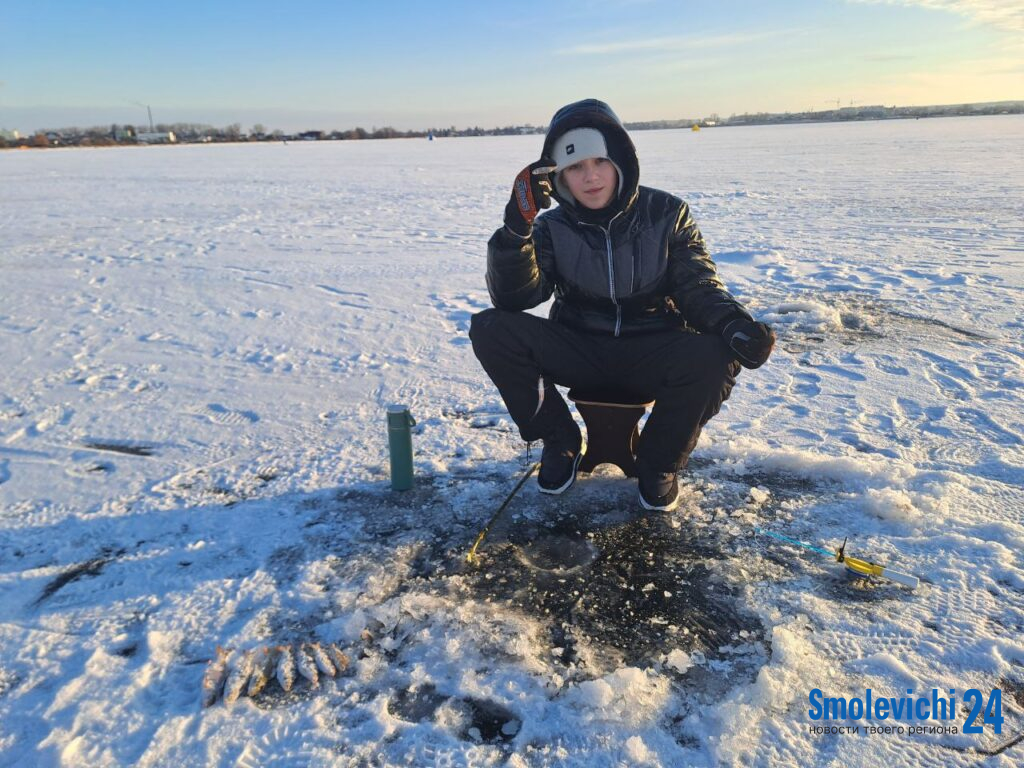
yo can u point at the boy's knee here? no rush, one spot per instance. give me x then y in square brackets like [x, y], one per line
[707, 355]
[482, 324]
[493, 328]
[492, 320]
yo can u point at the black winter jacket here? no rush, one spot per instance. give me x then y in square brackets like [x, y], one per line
[646, 270]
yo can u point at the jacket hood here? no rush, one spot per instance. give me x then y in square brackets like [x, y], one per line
[592, 113]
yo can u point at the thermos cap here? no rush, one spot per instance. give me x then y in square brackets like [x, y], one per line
[399, 417]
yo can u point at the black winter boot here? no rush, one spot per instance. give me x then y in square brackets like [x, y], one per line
[658, 490]
[560, 459]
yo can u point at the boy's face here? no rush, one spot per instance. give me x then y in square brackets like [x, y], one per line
[593, 182]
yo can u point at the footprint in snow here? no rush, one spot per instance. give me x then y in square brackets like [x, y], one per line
[806, 385]
[988, 427]
[890, 366]
[842, 372]
[219, 414]
[359, 300]
[53, 416]
[459, 309]
[285, 747]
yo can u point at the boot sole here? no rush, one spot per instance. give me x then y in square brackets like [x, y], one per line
[568, 483]
[667, 507]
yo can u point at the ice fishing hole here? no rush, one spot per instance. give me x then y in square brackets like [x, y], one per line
[559, 553]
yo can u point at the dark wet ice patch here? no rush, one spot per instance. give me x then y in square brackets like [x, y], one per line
[559, 553]
[631, 590]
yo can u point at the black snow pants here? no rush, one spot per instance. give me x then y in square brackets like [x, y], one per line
[689, 375]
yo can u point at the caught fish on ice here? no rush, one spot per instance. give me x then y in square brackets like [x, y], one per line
[306, 666]
[239, 676]
[232, 674]
[285, 667]
[323, 661]
[214, 677]
[263, 670]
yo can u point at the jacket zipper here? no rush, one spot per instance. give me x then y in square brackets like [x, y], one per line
[611, 281]
[611, 268]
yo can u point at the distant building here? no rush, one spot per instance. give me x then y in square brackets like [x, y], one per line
[122, 132]
[9, 135]
[156, 137]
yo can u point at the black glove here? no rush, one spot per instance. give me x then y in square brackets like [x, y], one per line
[752, 342]
[530, 192]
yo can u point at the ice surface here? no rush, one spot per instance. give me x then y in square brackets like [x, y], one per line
[200, 343]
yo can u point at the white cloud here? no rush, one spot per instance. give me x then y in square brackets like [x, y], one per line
[884, 57]
[1007, 14]
[677, 43]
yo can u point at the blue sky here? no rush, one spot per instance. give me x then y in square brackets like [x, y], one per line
[422, 64]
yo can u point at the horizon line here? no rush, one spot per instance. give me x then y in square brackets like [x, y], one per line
[435, 129]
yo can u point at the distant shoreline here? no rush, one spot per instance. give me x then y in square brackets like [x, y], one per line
[851, 114]
[863, 120]
[173, 134]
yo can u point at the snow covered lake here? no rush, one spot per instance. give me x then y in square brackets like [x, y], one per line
[199, 343]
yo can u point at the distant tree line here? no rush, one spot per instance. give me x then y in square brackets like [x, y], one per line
[877, 112]
[199, 132]
[114, 135]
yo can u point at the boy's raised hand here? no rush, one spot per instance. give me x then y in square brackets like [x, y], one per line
[531, 191]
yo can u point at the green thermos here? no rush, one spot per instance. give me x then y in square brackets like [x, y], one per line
[400, 423]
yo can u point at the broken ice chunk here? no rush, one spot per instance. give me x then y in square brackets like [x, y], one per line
[759, 495]
[679, 661]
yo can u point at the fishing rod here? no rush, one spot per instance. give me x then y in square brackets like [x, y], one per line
[855, 564]
[471, 558]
